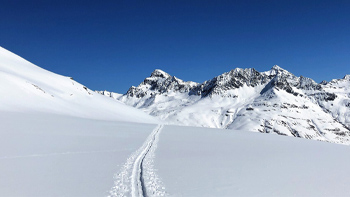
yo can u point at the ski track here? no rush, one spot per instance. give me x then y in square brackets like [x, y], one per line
[138, 176]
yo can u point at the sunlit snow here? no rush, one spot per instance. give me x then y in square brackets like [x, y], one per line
[59, 138]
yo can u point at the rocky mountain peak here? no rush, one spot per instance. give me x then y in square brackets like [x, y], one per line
[324, 82]
[276, 70]
[159, 73]
[306, 83]
[277, 78]
[276, 67]
[347, 77]
[161, 82]
[240, 72]
[158, 83]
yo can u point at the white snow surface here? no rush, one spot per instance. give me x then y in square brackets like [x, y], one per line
[59, 155]
[27, 87]
[193, 161]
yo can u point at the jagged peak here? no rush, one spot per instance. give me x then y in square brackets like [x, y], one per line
[177, 79]
[307, 83]
[347, 77]
[306, 80]
[276, 67]
[302, 78]
[324, 82]
[241, 70]
[160, 73]
[275, 70]
[236, 70]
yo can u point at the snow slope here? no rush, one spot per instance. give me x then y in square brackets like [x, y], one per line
[25, 87]
[59, 138]
[339, 107]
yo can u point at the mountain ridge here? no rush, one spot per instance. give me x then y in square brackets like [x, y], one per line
[274, 101]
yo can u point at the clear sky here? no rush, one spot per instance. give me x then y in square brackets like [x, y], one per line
[115, 44]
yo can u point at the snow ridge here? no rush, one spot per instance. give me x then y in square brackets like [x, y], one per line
[137, 177]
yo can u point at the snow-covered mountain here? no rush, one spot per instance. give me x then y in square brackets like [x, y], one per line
[275, 101]
[28, 88]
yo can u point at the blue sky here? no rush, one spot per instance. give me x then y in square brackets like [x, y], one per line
[115, 44]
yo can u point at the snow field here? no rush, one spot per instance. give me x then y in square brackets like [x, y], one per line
[212, 162]
[53, 155]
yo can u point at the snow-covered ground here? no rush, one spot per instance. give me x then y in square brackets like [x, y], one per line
[212, 162]
[54, 155]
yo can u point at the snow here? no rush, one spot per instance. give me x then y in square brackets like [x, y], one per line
[194, 161]
[59, 138]
[55, 155]
[340, 107]
[27, 87]
[138, 176]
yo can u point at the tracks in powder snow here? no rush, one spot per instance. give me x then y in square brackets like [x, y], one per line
[137, 180]
[138, 177]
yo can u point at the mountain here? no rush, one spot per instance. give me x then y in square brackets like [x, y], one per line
[27, 88]
[275, 101]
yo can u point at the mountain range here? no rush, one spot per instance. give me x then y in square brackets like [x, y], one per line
[274, 101]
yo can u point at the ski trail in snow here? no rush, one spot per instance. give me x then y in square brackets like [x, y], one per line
[137, 176]
[138, 186]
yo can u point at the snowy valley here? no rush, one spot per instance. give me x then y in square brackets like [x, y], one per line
[59, 138]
